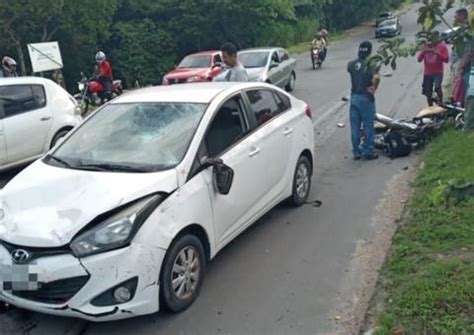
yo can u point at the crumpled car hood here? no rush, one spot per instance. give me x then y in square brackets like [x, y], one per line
[255, 73]
[46, 206]
[186, 73]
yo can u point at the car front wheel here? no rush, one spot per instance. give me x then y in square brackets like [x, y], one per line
[301, 182]
[182, 273]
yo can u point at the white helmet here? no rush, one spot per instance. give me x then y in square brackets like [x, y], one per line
[100, 57]
[8, 62]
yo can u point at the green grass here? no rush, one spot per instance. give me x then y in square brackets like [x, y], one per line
[428, 282]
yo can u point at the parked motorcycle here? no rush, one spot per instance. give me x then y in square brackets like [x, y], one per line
[91, 92]
[317, 57]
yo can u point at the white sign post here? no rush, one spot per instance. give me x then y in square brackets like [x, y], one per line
[45, 56]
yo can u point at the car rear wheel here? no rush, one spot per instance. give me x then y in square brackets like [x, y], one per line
[59, 135]
[301, 182]
[182, 273]
[292, 83]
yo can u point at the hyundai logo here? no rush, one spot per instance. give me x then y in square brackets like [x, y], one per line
[20, 256]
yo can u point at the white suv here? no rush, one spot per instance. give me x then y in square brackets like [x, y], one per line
[35, 113]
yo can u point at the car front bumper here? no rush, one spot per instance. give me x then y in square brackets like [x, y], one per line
[104, 271]
[386, 33]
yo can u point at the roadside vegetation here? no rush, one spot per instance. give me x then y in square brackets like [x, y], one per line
[427, 285]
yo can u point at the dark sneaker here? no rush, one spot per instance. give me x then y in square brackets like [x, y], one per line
[371, 156]
[357, 158]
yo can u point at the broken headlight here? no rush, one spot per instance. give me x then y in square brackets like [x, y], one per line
[116, 230]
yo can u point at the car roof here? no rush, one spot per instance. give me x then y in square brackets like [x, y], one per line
[25, 81]
[191, 93]
[264, 49]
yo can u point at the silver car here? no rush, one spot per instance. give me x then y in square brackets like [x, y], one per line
[270, 65]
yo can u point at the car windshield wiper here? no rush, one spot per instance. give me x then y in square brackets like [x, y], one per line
[111, 167]
[59, 160]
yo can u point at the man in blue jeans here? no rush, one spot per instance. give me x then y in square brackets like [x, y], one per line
[365, 81]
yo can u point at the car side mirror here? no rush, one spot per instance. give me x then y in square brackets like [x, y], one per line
[222, 175]
[273, 65]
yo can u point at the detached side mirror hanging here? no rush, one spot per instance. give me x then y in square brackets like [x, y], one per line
[222, 175]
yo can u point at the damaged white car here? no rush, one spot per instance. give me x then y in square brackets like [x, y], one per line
[122, 217]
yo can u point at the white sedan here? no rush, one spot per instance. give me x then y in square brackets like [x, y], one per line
[35, 113]
[123, 216]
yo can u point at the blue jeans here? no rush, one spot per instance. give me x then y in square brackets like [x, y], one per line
[362, 113]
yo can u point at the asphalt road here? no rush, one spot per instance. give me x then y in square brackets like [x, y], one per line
[293, 272]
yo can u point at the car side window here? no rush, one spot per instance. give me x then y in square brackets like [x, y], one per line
[283, 102]
[18, 99]
[40, 95]
[283, 55]
[227, 127]
[217, 59]
[275, 58]
[264, 105]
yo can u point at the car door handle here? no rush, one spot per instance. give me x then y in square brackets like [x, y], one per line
[45, 118]
[254, 151]
[288, 131]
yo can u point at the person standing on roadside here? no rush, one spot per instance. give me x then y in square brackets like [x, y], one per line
[461, 20]
[235, 70]
[365, 81]
[434, 55]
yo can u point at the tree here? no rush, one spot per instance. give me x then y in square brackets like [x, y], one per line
[28, 21]
[142, 51]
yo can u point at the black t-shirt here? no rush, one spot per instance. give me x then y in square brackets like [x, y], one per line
[361, 76]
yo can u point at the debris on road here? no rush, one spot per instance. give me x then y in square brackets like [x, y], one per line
[316, 203]
[341, 125]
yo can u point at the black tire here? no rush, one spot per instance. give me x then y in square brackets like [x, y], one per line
[60, 134]
[169, 297]
[297, 199]
[291, 87]
[314, 65]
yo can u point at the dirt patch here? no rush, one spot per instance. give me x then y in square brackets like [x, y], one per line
[370, 254]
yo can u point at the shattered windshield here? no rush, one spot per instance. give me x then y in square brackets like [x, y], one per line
[135, 137]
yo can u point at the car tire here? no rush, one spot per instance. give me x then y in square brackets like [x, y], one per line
[301, 182]
[292, 83]
[177, 299]
[59, 135]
